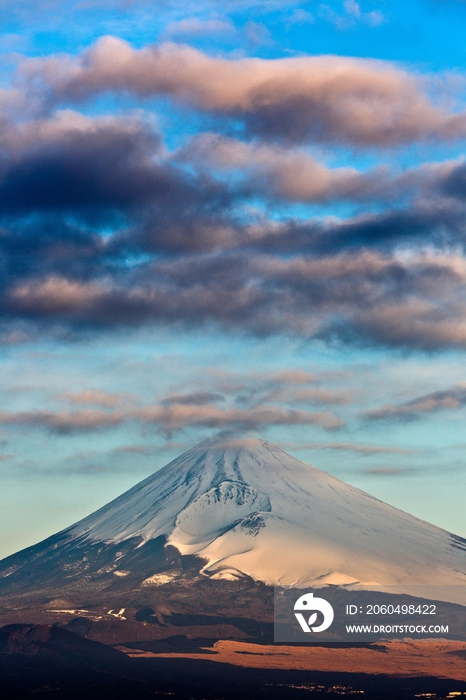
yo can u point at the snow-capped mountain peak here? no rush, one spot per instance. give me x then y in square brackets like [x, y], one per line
[246, 506]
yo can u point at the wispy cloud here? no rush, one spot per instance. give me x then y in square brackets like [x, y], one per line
[388, 471]
[448, 399]
[226, 402]
[360, 449]
[171, 419]
[300, 16]
[350, 15]
[192, 27]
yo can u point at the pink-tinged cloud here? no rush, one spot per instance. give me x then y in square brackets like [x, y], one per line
[316, 98]
[171, 419]
[291, 174]
[177, 417]
[63, 421]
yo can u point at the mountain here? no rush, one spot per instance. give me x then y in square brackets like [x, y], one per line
[233, 510]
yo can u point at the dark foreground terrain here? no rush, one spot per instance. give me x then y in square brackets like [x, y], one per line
[46, 661]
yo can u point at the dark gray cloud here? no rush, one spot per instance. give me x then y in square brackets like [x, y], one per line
[415, 300]
[66, 181]
[93, 169]
[199, 398]
[453, 184]
[447, 399]
[429, 220]
[214, 225]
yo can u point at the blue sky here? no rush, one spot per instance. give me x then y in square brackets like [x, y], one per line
[246, 219]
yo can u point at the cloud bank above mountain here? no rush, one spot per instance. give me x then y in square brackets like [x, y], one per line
[282, 209]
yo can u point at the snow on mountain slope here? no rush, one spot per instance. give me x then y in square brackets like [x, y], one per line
[247, 507]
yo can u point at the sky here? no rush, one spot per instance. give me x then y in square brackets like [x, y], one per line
[240, 218]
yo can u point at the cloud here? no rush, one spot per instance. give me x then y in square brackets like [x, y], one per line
[365, 450]
[217, 29]
[292, 174]
[319, 396]
[192, 27]
[51, 13]
[400, 300]
[299, 16]
[200, 398]
[448, 399]
[387, 471]
[15, 337]
[313, 98]
[90, 167]
[286, 387]
[179, 416]
[288, 376]
[453, 182]
[394, 300]
[172, 418]
[226, 401]
[257, 34]
[67, 177]
[351, 15]
[428, 220]
[149, 450]
[96, 397]
[62, 422]
[275, 171]
[103, 227]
